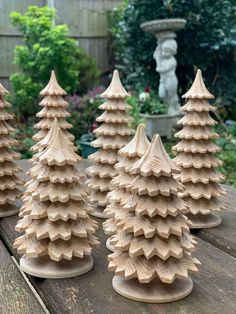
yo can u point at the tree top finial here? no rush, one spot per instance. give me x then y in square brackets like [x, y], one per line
[115, 89]
[3, 90]
[53, 88]
[138, 145]
[198, 89]
[155, 161]
[60, 151]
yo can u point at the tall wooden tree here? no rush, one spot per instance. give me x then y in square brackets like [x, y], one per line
[54, 106]
[113, 134]
[153, 245]
[128, 155]
[196, 158]
[10, 184]
[58, 233]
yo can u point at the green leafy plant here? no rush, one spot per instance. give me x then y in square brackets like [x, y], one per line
[46, 47]
[212, 49]
[134, 112]
[227, 142]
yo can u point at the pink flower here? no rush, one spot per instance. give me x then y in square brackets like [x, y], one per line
[147, 89]
[94, 126]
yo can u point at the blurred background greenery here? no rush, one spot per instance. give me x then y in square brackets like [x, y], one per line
[208, 42]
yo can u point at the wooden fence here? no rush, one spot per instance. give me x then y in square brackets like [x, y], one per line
[87, 20]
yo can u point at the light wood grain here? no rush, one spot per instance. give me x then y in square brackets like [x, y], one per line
[15, 295]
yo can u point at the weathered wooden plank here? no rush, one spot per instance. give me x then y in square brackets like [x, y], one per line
[86, 18]
[15, 295]
[7, 6]
[224, 236]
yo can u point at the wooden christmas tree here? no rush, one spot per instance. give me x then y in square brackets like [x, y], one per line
[57, 230]
[153, 246]
[10, 184]
[113, 134]
[54, 106]
[196, 158]
[128, 155]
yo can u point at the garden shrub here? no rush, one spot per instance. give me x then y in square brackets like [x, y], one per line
[206, 42]
[46, 47]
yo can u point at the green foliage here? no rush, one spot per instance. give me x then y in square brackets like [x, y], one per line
[227, 142]
[23, 133]
[46, 47]
[134, 112]
[206, 42]
[84, 111]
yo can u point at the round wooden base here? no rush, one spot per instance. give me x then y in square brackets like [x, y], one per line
[43, 267]
[8, 210]
[154, 292]
[204, 221]
[98, 213]
[109, 246]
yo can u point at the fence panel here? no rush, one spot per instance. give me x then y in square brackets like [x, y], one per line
[87, 20]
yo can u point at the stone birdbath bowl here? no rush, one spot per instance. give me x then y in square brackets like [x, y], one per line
[164, 25]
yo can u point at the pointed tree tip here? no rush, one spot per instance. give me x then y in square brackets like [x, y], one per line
[115, 89]
[3, 90]
[155, 161]
[198, 89]
[53, 87]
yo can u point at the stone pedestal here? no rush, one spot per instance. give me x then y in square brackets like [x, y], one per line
[165, 52]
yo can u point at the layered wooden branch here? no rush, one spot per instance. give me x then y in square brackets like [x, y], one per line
[55, 218]
[128, 155]
[153, 238]
[10, 184]
[112, 135]
[54, 106]
[195, 152]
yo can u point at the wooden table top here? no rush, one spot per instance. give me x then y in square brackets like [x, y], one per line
[214, 285]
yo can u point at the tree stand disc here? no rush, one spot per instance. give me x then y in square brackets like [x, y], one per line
[98, 213]
[109, 246]
[44, 267]
[8, 210]
[154, 292]
[204, 221]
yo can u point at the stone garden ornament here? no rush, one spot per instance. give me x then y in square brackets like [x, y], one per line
[164, 56]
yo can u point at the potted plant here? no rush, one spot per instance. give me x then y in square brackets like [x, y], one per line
[154, 114]
[85, 144]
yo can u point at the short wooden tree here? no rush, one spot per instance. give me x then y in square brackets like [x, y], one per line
[113, 134]
[10, 184]
[57, 230]
[153, 245]
[196, 158]
[128, 155]
[54, 106]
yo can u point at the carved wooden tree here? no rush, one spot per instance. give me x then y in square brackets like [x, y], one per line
[54, 106]
[128, 155]
[153, 246]
[113, 134]
[10, 184]
[57, 230]
[196, 158]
